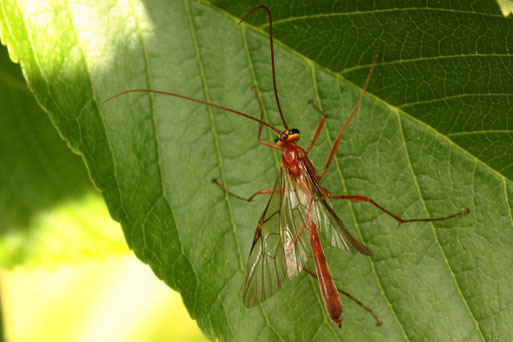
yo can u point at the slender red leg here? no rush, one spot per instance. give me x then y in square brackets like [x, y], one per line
[319, 127]
[260, 126]
[260, 192]
[347, 294]
[355, 110]
[395, 217]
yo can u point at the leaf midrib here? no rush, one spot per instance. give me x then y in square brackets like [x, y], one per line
[219, 154]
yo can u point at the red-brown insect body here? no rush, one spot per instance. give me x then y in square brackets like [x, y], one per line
[295, 162]
[329, 291]
[291, 156]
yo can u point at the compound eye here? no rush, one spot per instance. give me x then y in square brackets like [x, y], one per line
[293, 131]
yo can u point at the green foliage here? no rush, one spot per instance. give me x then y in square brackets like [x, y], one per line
[50, 212]
[432, 137]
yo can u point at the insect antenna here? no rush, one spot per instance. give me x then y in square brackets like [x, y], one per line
[193, 100]
[272, 56]
[218, 106]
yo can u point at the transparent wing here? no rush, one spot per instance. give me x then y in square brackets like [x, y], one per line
[300, 195]
[281, 243]
[295, 201]
[330, 226]
[266, 268]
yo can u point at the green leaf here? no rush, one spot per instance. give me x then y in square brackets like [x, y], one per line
[154, 156]
[446, 65]
[50, 212]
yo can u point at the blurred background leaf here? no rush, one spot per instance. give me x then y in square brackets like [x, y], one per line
[101, 300]
[433, 136]
[51, 213]
[52, 216]
[506, 6]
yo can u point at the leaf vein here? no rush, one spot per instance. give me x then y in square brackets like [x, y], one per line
[498, 131]
[389, 10]
[97, 112]
[445, 98]
[255, 82]
[435, 235]
[357, 227]
[427, 58]
[507, 201]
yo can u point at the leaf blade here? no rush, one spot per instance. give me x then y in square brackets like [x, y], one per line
[155, 157]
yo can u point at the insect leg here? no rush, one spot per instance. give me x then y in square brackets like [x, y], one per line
[395, 217]
[355, 110]
[319, 127]
[260, 192]
[347, 294]
[260, 126]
